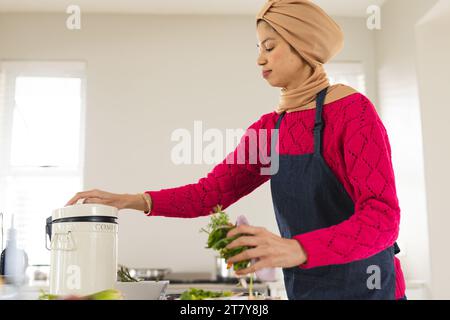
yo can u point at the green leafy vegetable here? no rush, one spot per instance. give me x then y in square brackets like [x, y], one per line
[199, 294]
[124, 275]
[110, 294]
[218, 229]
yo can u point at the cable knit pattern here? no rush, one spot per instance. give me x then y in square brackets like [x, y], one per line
[356, 148]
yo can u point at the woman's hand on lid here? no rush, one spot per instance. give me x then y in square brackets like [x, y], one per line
[120, 201]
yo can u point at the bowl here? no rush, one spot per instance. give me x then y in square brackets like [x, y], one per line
[143, 290]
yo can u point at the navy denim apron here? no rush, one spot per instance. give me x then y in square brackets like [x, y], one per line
[307, 196]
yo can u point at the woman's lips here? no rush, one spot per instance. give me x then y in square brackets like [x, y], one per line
[265, 74]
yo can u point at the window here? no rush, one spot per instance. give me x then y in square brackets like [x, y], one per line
[41, 145]
[348, 73]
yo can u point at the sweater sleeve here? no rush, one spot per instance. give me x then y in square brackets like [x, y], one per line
[235, 177]
[374, 225]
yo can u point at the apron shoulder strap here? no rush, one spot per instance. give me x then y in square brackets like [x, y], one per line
[274, 138]
[318, 124]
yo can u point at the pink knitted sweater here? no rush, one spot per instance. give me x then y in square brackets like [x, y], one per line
[356, 148]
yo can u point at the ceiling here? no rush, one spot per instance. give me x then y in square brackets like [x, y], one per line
[354, 8]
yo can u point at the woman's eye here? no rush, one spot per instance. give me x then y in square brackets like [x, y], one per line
[266, 49]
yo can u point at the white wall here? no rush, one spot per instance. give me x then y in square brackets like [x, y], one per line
[359, 45]
[400, 109]
[433, 51]
[147, 76]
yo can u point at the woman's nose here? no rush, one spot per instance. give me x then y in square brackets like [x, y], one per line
[261, 60]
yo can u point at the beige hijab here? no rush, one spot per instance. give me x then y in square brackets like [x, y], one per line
[317, 39]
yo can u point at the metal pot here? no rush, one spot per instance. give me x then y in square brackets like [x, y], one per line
[222, 273]
[149, 273]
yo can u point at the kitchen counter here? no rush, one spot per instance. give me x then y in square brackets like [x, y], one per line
[180, 282]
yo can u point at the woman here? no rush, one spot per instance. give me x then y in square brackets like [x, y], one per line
[333, 191]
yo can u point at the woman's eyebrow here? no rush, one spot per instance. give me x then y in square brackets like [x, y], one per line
[265, 41]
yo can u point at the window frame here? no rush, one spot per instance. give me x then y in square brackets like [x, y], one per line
[13, 69]
[9, 71]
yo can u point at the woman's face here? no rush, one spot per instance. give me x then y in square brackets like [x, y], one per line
[275, 54]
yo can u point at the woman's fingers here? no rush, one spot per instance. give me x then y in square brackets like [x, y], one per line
[249, 254]
[73, 200]
[245, 229]
[245, 241]
[263, 263]
[95, 200]
[83, 195]
[101, 197]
